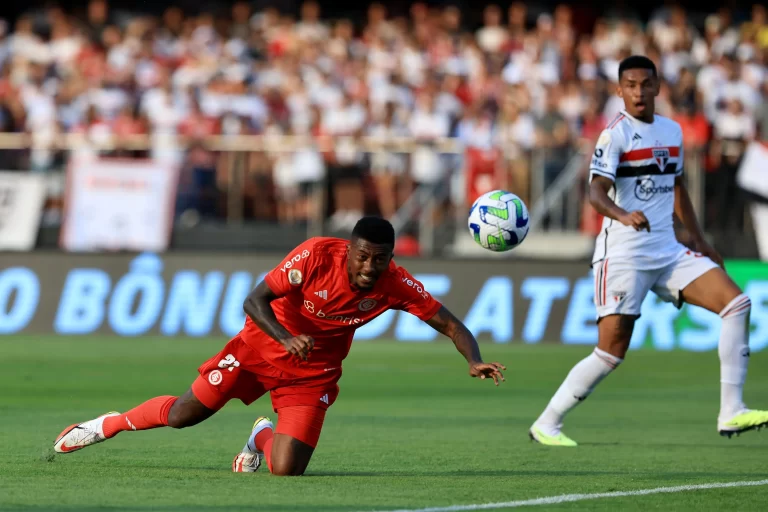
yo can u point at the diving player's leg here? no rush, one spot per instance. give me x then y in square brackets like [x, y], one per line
[209, 392]
[161, 411]
[294, 442]
[619, 294]
[301, 406]
[700, 282]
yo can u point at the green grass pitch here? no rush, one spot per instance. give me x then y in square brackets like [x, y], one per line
[410, 430]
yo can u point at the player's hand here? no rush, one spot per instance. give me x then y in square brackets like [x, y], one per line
[707, 250]
[487, 370]
[636, 220]
[300, 345]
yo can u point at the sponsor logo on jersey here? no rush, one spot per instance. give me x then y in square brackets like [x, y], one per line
[604, 139]
[295, 277]
[598, 163]
[662, 157]
[646, 188]
[366, 304]
[416, 286]
[294, 260]
[346, 320]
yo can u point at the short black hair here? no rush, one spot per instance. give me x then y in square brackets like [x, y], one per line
[637, 62]
[375, 230]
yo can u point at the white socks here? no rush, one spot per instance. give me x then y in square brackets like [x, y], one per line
[734, 355]
[577, 386]
[250, 445]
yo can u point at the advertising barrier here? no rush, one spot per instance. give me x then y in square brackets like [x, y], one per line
[22, 196]
[114, 204]
[751, 177]
[202, 295]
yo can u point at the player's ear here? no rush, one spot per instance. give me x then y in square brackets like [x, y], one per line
[656, 86]
[619, 91]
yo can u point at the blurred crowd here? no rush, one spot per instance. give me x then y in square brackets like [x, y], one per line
[522, 89]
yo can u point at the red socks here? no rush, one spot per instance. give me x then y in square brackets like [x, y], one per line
[151, 414]
[263, 443]
[268, 450]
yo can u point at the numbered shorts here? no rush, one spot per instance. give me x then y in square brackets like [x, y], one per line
[240, 372]
[621, 289]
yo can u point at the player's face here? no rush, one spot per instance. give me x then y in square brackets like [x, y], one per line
[638, 88]
[366, 262]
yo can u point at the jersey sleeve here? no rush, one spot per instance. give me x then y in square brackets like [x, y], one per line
[291, 273]
[411, 296]
[605, 159]
[680, 156]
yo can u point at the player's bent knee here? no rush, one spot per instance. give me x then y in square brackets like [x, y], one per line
[289, 456]
[286, 469]
[177, 420]
[188, 411]
[615, 334]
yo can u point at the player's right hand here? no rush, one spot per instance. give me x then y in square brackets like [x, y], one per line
[487, 370]
[300, 345]
[636, 220]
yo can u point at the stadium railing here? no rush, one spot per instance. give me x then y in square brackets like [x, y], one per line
[557, 210]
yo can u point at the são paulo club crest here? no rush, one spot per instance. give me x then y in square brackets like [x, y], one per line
[367, 304]
[662, 158]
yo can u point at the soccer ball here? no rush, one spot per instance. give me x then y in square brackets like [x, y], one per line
[498, 221]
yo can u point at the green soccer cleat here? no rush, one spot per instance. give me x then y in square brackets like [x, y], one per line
[743, 422]
[559, 439]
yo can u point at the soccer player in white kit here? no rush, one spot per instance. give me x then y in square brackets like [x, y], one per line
[636, 182]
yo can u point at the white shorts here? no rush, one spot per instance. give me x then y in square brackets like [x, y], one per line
[621, 289]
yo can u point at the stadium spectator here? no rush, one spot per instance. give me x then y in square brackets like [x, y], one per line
[424, 73]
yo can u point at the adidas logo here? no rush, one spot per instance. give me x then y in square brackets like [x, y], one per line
[322, 294]
[637, 137]
[324, 399]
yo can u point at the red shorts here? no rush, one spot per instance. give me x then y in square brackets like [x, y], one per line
[240, 372]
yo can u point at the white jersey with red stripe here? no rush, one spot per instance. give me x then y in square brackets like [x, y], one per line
[643, 160]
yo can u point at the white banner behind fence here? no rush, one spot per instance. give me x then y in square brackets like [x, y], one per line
[114, 204]
[22, 196]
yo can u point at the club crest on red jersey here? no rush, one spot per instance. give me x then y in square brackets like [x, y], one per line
[367, 304]
[662, 158]
[215, 377]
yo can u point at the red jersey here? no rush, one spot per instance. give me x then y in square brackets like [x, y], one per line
[317, 299]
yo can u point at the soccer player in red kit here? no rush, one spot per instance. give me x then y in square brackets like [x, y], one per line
[299, 327]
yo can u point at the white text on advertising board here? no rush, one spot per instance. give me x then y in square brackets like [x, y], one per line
[191, 303]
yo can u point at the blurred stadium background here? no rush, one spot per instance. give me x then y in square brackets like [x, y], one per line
[240, 129]
[156, 158]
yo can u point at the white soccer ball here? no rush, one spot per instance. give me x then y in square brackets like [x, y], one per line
[498, 221]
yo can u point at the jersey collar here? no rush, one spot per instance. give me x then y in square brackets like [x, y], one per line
[624, 112]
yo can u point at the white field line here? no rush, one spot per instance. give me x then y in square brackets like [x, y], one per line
[567, 498]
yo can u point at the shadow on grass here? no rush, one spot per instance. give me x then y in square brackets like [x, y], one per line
[537, 473]
[184, 508]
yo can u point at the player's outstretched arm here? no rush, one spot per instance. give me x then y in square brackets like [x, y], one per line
[446, 323]
[258, 307]
[599, 187]
[687, 215]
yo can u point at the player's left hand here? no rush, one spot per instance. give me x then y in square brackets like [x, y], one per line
[707, 250]
[487, 370]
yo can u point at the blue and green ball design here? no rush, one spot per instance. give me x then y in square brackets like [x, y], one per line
[498, 221]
